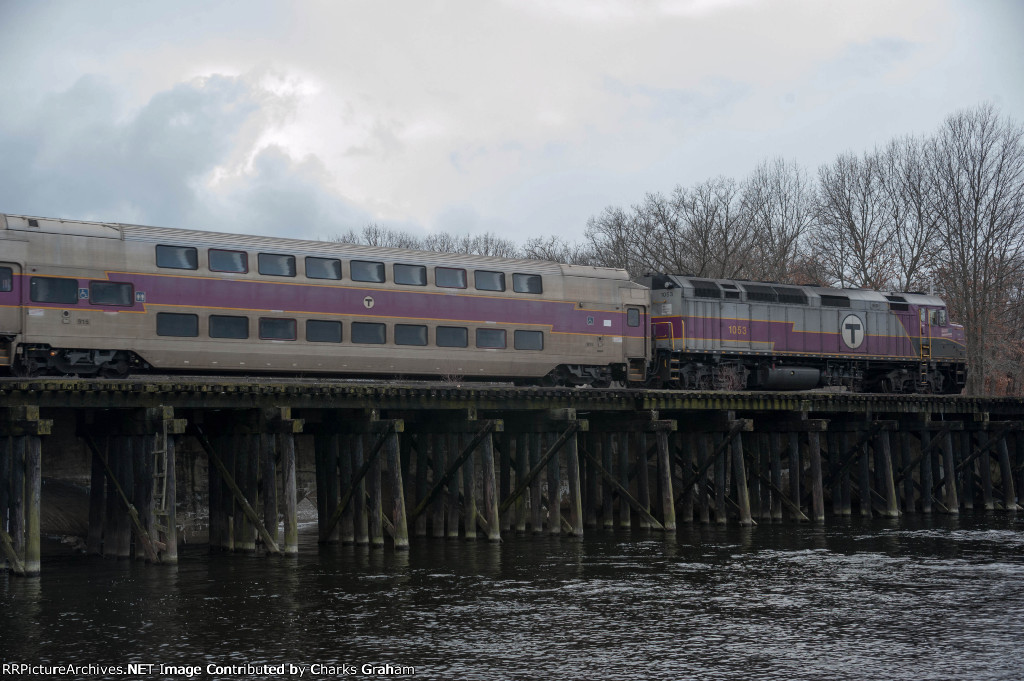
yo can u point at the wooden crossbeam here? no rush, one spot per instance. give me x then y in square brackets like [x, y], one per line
[486, 429]
[623, 492]
[335, 518]
[736, 427]
[574, 427]
[147, 542]
[229, 479]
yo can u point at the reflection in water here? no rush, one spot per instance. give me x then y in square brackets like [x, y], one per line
[915, 598]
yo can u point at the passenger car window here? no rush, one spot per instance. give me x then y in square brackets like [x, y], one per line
[111, 293]
[410, 275]
[323, 331]
[275, 264]
[410, 334]
[6, 279]
[222, 326]
[527, 283]
[490, 338]
[277, 329]
[632, 317]
[228, 261]
[53, 290]
[366, 332]
[363, 270]
[177, 257]
[174, 324]
[449, 277]
[323, 268]
[528, 340]
[451, 337]
[489, 281]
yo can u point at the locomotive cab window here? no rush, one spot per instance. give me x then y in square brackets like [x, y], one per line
[410, 275]
[228, 261]
[53, 290]
[490, 338]
[276, 265]
[941, 317]
[528, 340]
[410, 334]
[323, 331]
[177, 257]
[6, 279]
[323, 268]
[364, 270]
[527, 283]
[367, 332]
[174, 324]
[450, 277]
[223, 326]
[489, 281]
[111, 293]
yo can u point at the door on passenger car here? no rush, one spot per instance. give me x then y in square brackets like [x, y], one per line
[10, 299]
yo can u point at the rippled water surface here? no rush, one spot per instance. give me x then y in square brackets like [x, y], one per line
[911, 599]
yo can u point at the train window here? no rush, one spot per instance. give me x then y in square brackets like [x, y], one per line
[53, 290]
[177, 257]
[367, 332]
[633, 317]
[228, 261]
[489, 281]
[222, 326]
[174, 324]
[451, 336]
[450, 277]
[410, 334]
[527, 283]
[834, 301]
[363, 270]
[794, 296]
[6, 279]
[111, 293]
[277, 329]
[276, 265]
[410, 275]
[323, 268]
[942, 317]
[528, 340]
[321, 331]
[490, 338]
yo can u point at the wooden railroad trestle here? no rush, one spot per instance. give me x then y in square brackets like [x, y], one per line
[385, 462]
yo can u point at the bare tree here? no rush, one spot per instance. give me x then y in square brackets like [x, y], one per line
[976, 165]
[852, 232]
[909, 208]
[778, 200]
[556, 249]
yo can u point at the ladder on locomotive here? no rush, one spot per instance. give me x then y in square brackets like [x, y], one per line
[924, 333]
[161, 517]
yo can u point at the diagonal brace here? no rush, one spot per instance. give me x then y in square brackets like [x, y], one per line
[453, 469]
[574, 427]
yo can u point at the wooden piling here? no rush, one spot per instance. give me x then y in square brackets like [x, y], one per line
[775, 455]
[720, 479]
[453, 488]
[740, 476]
[522, 445]
[245, 532]
[607, 459]
[289, 493]
[5, 492]
[864, 484]
[398, 516]
[424, 451]
[490, 496]
[883, 461]
[985, 471]
[665, 481]
[536, 491]
[703, 454]
[343, 455]
[268, 467]
[643, 473]
[97, 502]
[554, 490]
[814, 465]
[593, 447]
[33, 490]
[505, 477]
[572, 472]
[440, 462]
[952, 500]
[376, 509]
[625, 520]
[1006, 476]
[468, 490]
[360, 515]
[795, 472]
[969, 486]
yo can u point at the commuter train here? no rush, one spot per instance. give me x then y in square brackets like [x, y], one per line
[87, 298]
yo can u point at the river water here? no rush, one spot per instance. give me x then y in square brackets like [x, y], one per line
[917, 598]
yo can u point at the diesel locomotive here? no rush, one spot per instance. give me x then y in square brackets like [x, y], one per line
[89, 298]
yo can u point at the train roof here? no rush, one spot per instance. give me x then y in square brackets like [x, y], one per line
[753, 288]
[201, 238]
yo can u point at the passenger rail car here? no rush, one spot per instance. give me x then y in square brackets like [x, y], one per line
[726, 334]
[106, 299]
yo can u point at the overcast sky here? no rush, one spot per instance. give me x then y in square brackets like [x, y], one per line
[522, 117]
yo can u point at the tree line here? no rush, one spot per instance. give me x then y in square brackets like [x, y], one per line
[942, 212]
